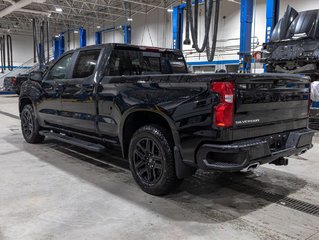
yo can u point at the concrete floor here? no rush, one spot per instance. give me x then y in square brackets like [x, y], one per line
[55, 191]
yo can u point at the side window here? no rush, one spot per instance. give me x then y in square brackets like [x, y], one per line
[85, 63]
[59, 70]
[125, 63]
[137, 62]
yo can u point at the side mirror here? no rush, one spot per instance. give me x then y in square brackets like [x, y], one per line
[36, 76]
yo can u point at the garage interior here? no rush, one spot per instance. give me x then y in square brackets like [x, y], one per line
[57, 190]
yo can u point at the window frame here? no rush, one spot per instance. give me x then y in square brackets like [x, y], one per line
[67, 74]
[76, 57]
[107, 68]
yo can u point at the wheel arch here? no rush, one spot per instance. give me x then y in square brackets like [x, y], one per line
[136, 118]
[23, 102]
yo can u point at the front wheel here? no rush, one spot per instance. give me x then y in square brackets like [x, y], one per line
[30, 126]
[152, 161]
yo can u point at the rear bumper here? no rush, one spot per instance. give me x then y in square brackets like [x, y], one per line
[240, 154]
[314, 118]
[9, 88]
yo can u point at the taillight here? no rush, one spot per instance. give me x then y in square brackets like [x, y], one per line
[224, 110]
[13, 80]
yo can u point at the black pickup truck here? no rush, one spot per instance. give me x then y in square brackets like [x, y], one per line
[167, 122]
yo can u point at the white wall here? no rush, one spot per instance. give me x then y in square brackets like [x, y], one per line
[22, 48]
[22, 51]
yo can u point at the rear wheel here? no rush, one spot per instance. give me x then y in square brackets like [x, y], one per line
[152, 161]
[30, 126]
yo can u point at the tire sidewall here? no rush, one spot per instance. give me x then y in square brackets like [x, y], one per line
[34, 137]
[154, 133]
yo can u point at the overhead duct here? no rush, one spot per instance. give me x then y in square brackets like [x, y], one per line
[34, 11]
[192, 26]
[17, 5]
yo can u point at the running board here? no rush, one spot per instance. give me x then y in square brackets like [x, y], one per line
[74, 141]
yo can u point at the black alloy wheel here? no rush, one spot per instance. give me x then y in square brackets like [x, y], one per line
[152, 160]
[27, 123]
[148, 160]
[30, 126]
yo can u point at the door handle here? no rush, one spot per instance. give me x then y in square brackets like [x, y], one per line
[88, 87]
[60, 88]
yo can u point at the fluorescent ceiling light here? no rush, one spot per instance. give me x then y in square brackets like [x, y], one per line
[58, 9]
[76, 31]
[234, 1]
[130, 19]
[98, 27]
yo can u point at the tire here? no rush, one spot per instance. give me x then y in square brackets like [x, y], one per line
[152, 160]
[30, 126]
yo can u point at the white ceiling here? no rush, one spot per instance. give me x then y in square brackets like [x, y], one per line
[15, 16]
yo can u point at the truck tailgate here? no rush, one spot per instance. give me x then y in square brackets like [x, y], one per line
[270, 103]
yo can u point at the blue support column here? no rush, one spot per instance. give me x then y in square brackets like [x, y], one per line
[127, 34]
[272, 14]
[177, 25]
[82, 37]
[55, 48]
[98, 38]
[61, 44]
[246, 19]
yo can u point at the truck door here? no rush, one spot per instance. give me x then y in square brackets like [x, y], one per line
[50, 107]
[78, 103]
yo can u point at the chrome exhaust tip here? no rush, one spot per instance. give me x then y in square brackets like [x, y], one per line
[302, 151]
[251, 167]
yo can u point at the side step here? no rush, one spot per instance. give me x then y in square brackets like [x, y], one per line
[74, 141]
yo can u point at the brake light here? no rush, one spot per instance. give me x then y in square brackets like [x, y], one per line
[224, 110]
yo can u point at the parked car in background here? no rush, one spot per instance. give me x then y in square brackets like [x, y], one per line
[10, 84]
[21, 78]
[14, 83]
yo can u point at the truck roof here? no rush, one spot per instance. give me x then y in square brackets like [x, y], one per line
[126, 46]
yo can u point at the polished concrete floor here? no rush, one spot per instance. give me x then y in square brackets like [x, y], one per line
[56, 191]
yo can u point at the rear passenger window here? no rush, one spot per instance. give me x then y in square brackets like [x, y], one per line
[139, 62]
[85, 63]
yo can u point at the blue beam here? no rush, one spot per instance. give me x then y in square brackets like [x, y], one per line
[246, 19]
[177, 27]
[98, 38]
[272, 15]
[218, 62]
[82, 37]
[55, 48]
[127, 34]
[61, 44]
